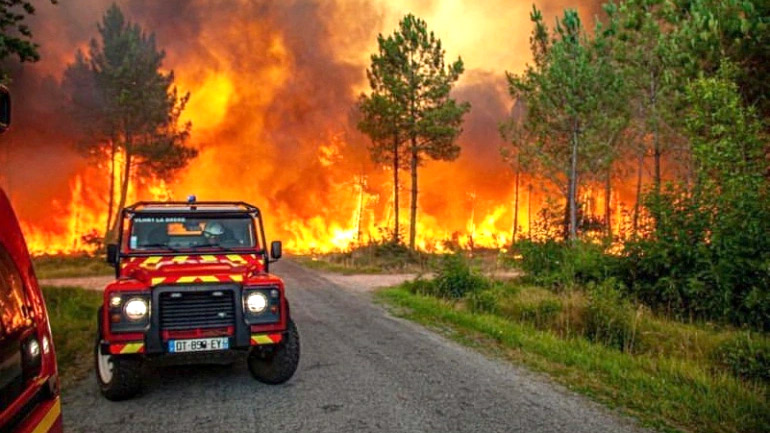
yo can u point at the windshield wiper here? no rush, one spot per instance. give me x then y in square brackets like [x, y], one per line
[218, 248]
[164, 246]
[221, 248]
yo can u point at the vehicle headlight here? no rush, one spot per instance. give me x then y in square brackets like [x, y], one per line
[256, 302]
[136, 309]
[34, 349]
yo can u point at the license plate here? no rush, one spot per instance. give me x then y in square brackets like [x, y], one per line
[198, 345]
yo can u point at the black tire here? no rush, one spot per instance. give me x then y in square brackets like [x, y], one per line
[278, 365]
[125, 380]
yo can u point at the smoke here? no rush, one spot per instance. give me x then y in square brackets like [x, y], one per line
[273, 87]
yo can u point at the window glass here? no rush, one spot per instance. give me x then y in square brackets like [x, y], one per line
[173, 232]
[12, 299]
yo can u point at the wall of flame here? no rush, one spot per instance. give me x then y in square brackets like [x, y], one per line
[273, 86]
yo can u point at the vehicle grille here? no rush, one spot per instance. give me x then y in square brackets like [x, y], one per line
[206, 309]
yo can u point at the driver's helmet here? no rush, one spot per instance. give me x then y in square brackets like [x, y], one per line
[213, 229]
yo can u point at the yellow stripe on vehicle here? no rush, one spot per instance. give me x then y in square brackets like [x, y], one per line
[180, 259]
[132, 348]
[50, 418]
[187, 279]
[157, 280]
[209, 279]
[261, 339]
[236, 278]
[235, 258]
[152, 261]
[209, 258]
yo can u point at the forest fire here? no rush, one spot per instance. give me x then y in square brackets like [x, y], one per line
[273, 86]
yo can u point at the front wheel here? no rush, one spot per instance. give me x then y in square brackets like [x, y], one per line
[119, 377]
[278, 364]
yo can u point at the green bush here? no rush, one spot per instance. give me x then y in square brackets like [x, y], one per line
[421, 286]
[746, 356]
[704, 264]
[533, 305]
[455, 278]
[541, 314]
[610, 318]
[484, 301]
[560, 265]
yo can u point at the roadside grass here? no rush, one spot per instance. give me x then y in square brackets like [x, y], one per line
[72, 312]
[673, 388]
[65, 266]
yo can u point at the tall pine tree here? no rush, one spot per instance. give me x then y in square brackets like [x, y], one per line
[411, 86]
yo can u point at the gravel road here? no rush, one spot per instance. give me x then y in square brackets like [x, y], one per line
[361, 370]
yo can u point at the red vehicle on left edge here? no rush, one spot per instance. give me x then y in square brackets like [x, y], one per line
[29, 381]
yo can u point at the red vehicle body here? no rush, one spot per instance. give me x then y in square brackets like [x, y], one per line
[29, 382]
[186, 295]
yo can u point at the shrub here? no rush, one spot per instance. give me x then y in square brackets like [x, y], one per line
[455, 278]
[560, 265]
[420, 286]
[533, 305]
[610, 318]
[485, 301]
[746, 356]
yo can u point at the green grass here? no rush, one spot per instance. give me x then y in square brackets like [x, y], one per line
[72, 312]
[665, 392]
[64, 266]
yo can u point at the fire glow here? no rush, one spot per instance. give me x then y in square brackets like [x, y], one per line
[273, 87]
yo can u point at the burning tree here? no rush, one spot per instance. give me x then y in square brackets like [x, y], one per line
[410, 110]
[128, 109]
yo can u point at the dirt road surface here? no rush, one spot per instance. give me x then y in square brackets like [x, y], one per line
[362, 370]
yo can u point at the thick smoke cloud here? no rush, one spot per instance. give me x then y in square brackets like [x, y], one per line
[274, 85]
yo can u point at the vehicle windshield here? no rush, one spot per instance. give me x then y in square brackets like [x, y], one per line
[182, 232]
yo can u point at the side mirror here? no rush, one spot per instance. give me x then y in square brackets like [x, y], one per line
[5, 108]
[112, 254]
[276, 250]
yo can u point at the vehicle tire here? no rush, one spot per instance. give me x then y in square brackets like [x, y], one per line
[278, 365]
[119, 377]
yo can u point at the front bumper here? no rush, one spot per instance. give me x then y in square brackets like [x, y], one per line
[158, 332]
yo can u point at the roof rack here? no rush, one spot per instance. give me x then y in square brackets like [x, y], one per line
[191, 206]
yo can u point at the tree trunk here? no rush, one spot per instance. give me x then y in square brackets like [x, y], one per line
[396, 239]
[607, 204]
[572, 200]
[413, 216]
[529, 211]
[655, 131]
[638, 193]
[123, 195]
[361, 184]
[657, 153]
[111, 199]
[516, 206]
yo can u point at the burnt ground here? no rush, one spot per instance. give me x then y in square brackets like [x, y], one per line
[361, 370]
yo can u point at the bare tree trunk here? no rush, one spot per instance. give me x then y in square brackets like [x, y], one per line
[396, 239]
[413, 217]
[572, 199]
[516, 207]
[529, 210]
[361, 184]
[639, 172]
[123, 192]
[655, 131]
[111, 199]
[607, 204]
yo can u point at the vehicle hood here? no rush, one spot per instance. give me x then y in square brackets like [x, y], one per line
[193, 268]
